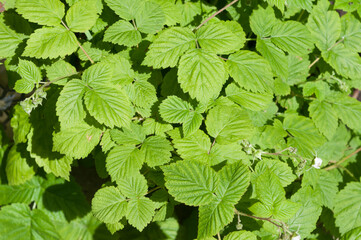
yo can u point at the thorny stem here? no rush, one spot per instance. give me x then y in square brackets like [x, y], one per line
[81, 47]
[334, 45]
[338, 164]
[215, 14]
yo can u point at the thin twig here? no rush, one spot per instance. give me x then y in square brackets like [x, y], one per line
[153, 190]
[356, 93]
[219, 236]
[81, 47]
[214, 142]
[215, 14]
[336, 165]
[259, 218]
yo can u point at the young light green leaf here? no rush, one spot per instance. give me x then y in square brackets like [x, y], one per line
[156, 150]
[123, 161]
[29, 71]
[214, 217]
[233, 182]
[123, 33]
[142, 93]
[325, 26]
[217, 38]
[24, 86]
[134, 186]
[109, 205]
[51, 43]
[192, 123]
[241, 235]
[250, 71]
[269, 189]
[190, 182]
[175, 110]
[280, 4]
[17, 221]
[292, 36]
[285, 209]
[81, 16]
[43, 12]
[98, 74]
[59, 72]
[77, 141]
[109, 106]
[324, 117]
[169, 46]
[9, 40]
[249, 100]
[149, 17]
[201, 74]
[20, 124]
[262, 21]
[18, 165]
[347, 207]
[228, 124]
[140, 212]
[69, 106]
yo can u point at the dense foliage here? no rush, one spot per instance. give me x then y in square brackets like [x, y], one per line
[170, 119]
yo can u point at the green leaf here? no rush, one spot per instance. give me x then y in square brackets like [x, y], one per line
[214, 217]
[325, 26]
[194, 147]
[233, 182]
[156, 150]
[262, 21]
[109, 205]
[175, 110]
[192, 123]
[134, 135]
[285, 209]
[99, 74]
[347, 207]
[43, 12]
[19, 165]
[249, 100]
[69, 106]
[250, 71]
[275, 56]
[123, 161]
[23, 193]
[9, 40]
[344, 61]
[142, 93]
[20, 124]
[302, 128]
[69, 140]
[149, 17]
[126, 9]
[109, 106]
[324, 117]
[201, 74]
[51, 43]
[280, 169]
[134, 186]
[17, 222]
[190, 182]
[217, 38]
[169, 46]
[269, 189]
[228, 124]
[59, 72]
[292, 37]
[140, 212]
[297, 69]
[348, 110]
[23, 86]
[347, 5]
[280, 4]
[123, 33]
[81, 16]
[304, 221]
[241, 235]
[324, 183]
[351, 32]
[29, 71]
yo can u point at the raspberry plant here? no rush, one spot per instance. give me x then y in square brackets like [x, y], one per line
[170, 119]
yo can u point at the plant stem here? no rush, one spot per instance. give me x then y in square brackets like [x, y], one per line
[334, 45]
[214, 142]
[337, 164]
[81, 47]
[153, 190]
[219, 236]
[259, 218]
[215, 14]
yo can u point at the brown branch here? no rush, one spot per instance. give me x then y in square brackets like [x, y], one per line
[215, 14]
[81, 47]
[337, 164]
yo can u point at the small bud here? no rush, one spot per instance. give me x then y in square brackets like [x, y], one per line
[258, 154]
[239, 226]
[318, 163]
[297, 237]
